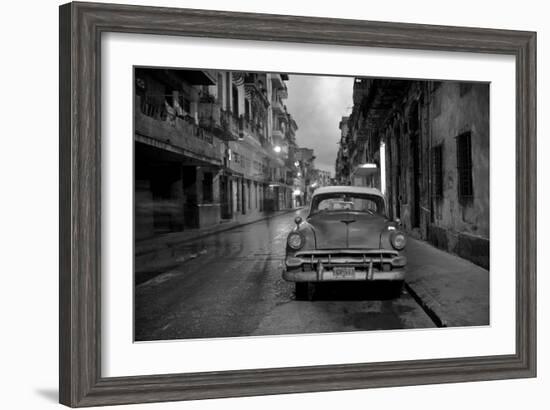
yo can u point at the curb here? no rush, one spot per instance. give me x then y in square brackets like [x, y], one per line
[427, 307]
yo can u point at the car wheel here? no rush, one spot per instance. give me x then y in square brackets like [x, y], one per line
[305, 291]
[310, 291]
[301, 290]
[396, 288]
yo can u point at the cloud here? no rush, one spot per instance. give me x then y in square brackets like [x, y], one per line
[318, 103]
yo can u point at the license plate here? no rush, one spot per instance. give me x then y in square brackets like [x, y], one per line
[343, 272]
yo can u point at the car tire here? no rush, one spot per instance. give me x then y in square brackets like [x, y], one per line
[396, 288]
[305, 291]
[301, 290]
[310, 291]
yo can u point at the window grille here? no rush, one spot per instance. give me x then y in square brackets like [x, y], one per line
[437, 171]
[464, 166]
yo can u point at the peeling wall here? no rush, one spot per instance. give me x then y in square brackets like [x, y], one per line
[433, 113]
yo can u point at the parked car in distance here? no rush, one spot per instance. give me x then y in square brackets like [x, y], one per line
[346, 236]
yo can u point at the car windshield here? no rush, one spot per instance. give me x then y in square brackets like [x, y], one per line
[347, 202]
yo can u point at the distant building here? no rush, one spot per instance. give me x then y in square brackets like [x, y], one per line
[426, 144]
[322, 178]
[305, 160]
[342, 166]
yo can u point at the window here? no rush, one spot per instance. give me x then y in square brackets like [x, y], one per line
[348, 202]
[238, 191]
[185, 103]
[464, 166]
[437, 171]
[247, 109]
[207, 188]
[261, 194]
[220, 87]
[169, 95]
[249, 195]
[235, 101]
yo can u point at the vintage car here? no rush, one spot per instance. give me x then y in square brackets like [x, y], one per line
[346, 236]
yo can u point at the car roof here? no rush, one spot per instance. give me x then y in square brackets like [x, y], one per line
[347, 189]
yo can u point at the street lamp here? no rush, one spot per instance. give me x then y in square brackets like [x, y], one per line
[277, 148]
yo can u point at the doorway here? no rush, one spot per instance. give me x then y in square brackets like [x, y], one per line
[415, 157]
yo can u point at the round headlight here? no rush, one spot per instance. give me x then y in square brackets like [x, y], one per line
[295, 240]
[398, 240]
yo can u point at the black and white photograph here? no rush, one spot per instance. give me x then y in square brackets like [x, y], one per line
[279, 204]
[247, 205]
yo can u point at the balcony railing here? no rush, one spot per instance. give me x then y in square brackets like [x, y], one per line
[232, 126]
[277, 106]
[155, 120]
[210, 117]
[152, 108]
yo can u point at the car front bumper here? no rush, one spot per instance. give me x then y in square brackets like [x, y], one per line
[329, 276]
[345, 265]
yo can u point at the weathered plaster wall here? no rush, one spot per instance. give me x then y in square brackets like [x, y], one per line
[431, 114]
[458, 115]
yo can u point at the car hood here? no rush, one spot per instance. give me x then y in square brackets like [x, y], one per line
[339, 230]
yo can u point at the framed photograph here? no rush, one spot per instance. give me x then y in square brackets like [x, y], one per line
[259, 204]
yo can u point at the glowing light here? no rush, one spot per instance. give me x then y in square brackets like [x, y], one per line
[383, 167]
[277, 148]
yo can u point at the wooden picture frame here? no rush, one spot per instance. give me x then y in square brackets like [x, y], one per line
[81, 27]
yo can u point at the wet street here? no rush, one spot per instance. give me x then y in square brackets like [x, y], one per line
[233, 287]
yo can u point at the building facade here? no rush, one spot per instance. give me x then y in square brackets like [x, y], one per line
[305, 162]
[426, 144]
[321, 178]
[342, 165]
[208, 148]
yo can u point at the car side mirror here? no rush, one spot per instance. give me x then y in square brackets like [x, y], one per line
[298, 221]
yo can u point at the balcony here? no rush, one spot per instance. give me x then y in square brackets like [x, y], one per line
[277, 80]
[210, 118]
[222, 124]
[277, 106]
[232, 126]
[283, 92]
[278, 136]
[247, 127]
[155, 126]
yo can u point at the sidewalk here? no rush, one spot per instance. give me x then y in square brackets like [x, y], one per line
[159, 253]
[454, 289]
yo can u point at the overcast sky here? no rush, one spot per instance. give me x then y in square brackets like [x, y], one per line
[318, 103]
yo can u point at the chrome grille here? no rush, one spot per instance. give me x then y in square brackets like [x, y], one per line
[380, 259]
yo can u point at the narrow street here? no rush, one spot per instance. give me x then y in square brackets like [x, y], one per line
[216, 151]
[234, 288]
